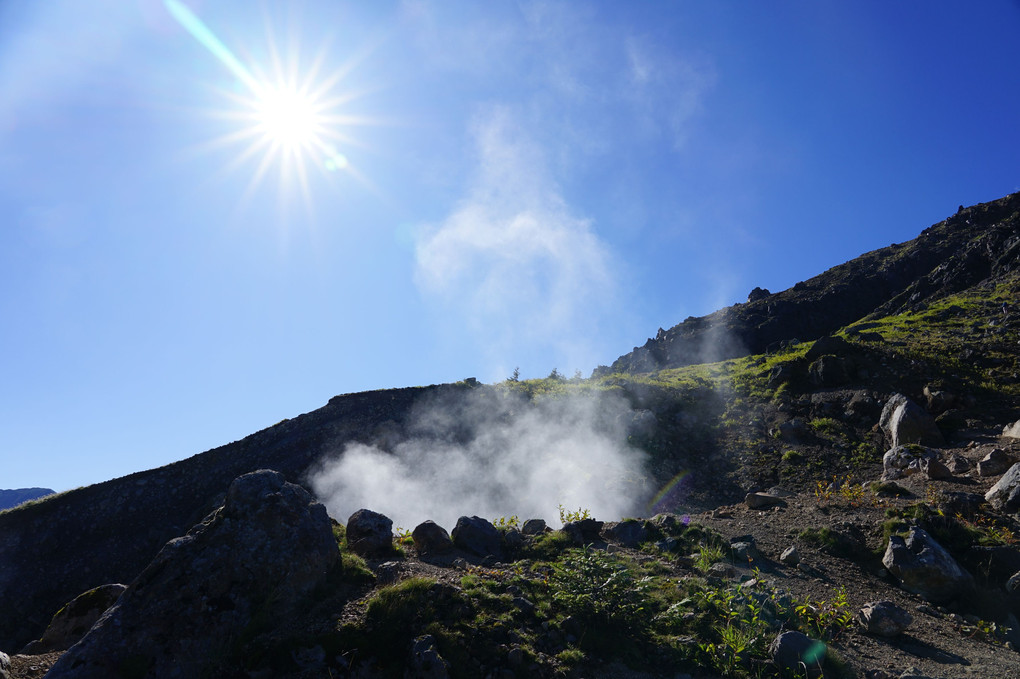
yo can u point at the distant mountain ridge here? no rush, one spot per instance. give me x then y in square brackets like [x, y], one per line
[974, 244]
[14, 497]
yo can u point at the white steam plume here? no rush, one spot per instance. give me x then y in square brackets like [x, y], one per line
[492, 454]
[513, 260]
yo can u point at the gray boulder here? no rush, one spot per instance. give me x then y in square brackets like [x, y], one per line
[477, 536]
[905, 460]
[799, 654]
[431, 538]
[5, 666]
[903, 421]
[925, 568]
[1005, 494]
[533, 527]
[75, 619]
[790, 557]
[883, 618]
[254, 560]
[994, 463]
[370, 534]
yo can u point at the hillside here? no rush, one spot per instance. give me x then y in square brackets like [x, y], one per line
[786, 391]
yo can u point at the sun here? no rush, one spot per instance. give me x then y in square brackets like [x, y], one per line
[283, 115]
[288, 118]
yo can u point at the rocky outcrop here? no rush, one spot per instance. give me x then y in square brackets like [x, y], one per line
[248, 564]
[925, 568]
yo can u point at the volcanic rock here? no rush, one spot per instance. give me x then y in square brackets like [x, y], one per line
[431, 538]
[75, 619]
[994, 463]
[476, 535]
[883, 618]
[370, 534]
[259, 555]
[798, 653]
[903, 421]
[925, 568]
[1005, 494]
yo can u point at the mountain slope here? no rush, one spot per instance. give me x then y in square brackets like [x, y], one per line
[974, 244]
[921, 314]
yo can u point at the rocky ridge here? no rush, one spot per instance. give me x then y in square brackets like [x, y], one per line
[975, 244]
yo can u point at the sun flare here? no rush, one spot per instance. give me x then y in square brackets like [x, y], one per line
[285, 115]
[288, 117]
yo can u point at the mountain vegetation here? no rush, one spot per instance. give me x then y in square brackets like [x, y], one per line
[832, 486]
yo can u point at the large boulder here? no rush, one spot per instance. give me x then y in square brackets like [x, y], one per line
[903, 421]
[370, 534]
[430, 538]
[478, 536]
[1005, 494]
[925, 568]
[249, 563]
[74, 620]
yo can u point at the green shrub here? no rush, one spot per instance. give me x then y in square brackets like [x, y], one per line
[595, 587]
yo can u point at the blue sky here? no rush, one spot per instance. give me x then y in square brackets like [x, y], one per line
[481, 186]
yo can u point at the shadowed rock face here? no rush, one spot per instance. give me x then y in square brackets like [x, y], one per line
[252, 561]
[945, 258]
